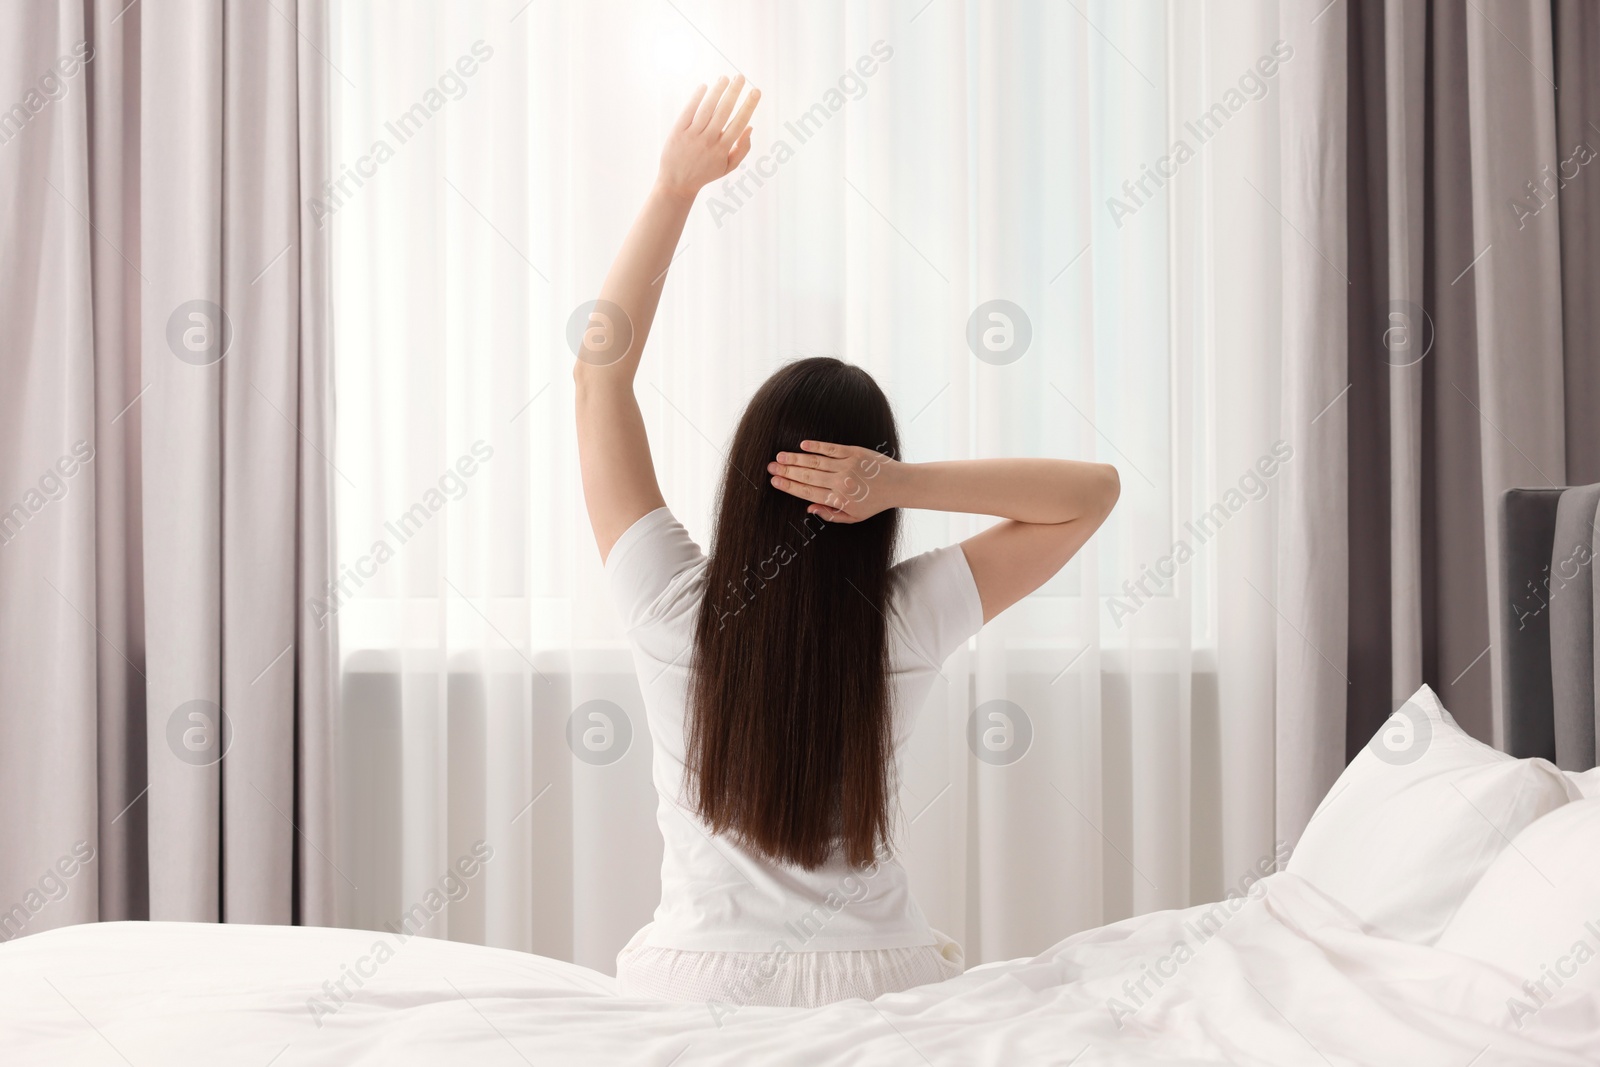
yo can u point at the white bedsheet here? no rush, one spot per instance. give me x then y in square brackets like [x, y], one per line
[1289, 979]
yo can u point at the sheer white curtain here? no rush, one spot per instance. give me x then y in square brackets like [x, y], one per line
[912, 162]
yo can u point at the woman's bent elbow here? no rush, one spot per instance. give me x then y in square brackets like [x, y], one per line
[1110, 488]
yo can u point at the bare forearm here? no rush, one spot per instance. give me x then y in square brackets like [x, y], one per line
[634, 285]
[1045, 491]
[613, 451]
[1052, 506]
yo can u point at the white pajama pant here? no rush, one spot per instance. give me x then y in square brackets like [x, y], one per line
[783, 979]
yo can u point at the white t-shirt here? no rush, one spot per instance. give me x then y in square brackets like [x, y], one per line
[716, 896]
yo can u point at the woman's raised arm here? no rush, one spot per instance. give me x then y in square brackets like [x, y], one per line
[708, 140]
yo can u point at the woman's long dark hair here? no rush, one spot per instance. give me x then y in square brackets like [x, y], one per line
[789, 740]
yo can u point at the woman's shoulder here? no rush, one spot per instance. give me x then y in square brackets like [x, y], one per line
[655, 563]
[935, 599]
[936, 572]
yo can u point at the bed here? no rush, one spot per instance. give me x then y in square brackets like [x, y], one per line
[1442, 907]
[1288, 978]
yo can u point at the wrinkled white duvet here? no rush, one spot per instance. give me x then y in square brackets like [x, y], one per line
[1286, 978]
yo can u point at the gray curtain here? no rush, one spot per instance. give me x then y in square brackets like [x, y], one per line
[1575, 32]
[165, 698]
[1471, 325]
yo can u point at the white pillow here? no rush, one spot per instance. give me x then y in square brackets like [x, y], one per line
[1587, 783]
[1417, 817]
[1536, 911]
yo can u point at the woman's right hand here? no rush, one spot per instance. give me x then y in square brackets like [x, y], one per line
[844, 483]
[709, 139]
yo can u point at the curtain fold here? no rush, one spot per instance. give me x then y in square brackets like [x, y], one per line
[1456, 604]
[1403, 80]
[1511, 97]
[171, 718]
[48, 713]
[1575, 41]
[1313, 543]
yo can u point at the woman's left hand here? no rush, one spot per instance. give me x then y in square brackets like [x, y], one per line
[844, 483]
[709, 139]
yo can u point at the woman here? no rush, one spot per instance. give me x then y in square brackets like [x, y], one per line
[780, 674]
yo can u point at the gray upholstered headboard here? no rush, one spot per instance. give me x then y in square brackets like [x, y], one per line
[1548, 542]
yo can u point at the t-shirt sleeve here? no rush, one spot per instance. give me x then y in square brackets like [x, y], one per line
[646, 565]
[936, 601]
